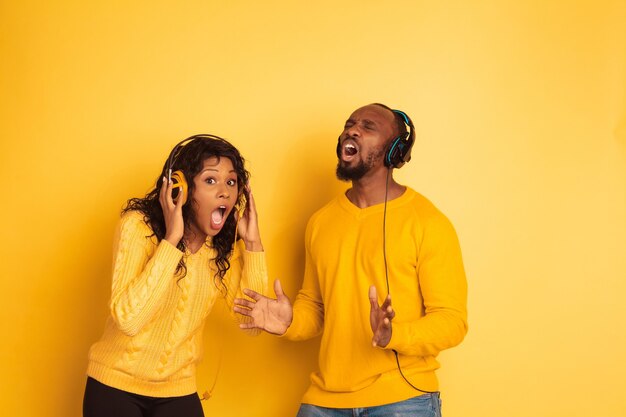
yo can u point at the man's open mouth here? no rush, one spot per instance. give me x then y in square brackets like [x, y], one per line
[349, 149]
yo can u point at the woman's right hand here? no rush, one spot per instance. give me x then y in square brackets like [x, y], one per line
[172, 212]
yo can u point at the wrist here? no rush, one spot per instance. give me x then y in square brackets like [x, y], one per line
[253, 245]
[172, 240]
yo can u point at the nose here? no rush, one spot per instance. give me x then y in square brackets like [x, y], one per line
[222, 192]
[352, 131]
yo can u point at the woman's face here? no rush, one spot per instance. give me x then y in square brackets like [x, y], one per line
[214, 196]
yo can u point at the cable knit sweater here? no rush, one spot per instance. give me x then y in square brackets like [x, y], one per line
[153, 338]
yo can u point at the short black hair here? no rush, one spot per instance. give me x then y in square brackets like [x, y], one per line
[400, 125]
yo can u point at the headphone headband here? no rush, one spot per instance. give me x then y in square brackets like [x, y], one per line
[176, 151]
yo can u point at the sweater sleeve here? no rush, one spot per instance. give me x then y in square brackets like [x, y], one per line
[141, 274]
[308, 308]
[247, 270]
[442, 281]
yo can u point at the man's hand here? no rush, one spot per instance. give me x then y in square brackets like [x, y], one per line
[272, 315]
[380, 319]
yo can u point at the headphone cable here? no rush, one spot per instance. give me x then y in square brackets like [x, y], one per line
[395, 352]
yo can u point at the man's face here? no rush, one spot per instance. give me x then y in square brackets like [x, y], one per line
[363, 142]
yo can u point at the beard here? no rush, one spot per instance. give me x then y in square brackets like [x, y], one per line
[358, 171]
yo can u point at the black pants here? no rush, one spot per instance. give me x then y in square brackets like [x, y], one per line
[103, 401]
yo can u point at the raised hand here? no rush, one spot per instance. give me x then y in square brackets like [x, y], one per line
[380, 319]
[172, 212]
[248, 226]
[272, 315]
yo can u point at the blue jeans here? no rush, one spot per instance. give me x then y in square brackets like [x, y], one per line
[426, 405]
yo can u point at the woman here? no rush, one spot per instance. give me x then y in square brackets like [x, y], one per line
[174, 256]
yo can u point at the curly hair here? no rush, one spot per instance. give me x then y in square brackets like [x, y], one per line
[189, 156]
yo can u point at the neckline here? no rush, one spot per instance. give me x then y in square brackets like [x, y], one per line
[348, 205]
[205, 246]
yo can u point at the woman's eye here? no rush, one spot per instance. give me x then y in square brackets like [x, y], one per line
[210, 180]
[232, 183]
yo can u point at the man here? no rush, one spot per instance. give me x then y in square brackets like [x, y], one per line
[378, 242]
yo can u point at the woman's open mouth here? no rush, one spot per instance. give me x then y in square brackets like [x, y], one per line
[217, 217]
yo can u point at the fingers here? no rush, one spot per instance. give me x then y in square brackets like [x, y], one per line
[252, 294]
[251, 206]
[278, 289]
[165, 196]
[382, 335]
[162, 193]
[181, 199]
[239, 302]
[381, 317]
[387, 303]
[372, 294]
[242, 311]
[373, 298]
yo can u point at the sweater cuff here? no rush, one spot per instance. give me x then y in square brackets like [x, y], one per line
[254, 261]
[289, 333]
[294, 331]
[256, 271]
[399, 334]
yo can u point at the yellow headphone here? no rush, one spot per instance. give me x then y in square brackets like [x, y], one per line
[179, 182]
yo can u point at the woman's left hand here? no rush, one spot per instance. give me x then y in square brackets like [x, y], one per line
[248, 226]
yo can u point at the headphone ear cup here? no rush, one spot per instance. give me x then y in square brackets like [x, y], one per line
[391, 157]
[398, 153]
[179, 182]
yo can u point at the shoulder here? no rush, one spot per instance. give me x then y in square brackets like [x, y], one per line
[434, 225]
[132, 225]
[425, 211]
[328, 209]
[421, 205]
[134, 220]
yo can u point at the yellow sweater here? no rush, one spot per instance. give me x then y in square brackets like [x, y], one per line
[153, 339]
[344, 256]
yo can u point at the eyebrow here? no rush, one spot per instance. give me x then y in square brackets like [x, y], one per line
[364, 121]
[216, 170]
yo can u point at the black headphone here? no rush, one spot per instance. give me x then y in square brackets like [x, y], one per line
[177, 177]
[399, 151]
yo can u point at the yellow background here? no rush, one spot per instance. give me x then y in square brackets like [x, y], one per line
[521, 141]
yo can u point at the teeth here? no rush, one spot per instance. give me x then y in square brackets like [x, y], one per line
[350, 149]
[218, 215]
